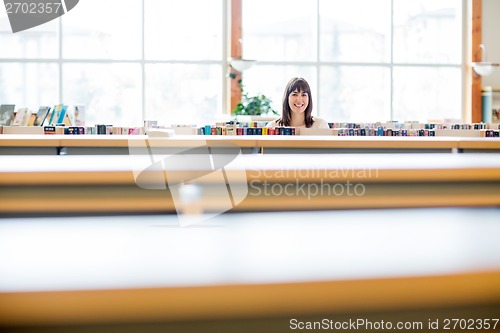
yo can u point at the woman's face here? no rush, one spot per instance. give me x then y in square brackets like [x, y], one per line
[298, 101]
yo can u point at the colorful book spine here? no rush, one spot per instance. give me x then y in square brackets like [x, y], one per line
[49, 130]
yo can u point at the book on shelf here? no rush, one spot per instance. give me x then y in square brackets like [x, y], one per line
[22, 117]
[31, 119]
[315, 131]
[41, 115]
[49, 130]
[23, 130]
[77, 117]
[6, 114]
[58, 114]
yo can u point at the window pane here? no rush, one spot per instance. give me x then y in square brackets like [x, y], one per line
[98, 29]
[428, 31]
[29, 84]
[110, 92]
[37, 42]
[425, 94]
[355, 93]
[349, 34]
[280, 30]
[183, 94]
[271, 81]
[183, 30]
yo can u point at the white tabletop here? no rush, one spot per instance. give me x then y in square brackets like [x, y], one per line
[91, 270]
[153, 251]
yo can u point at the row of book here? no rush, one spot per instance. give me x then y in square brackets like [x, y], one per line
[417, 132]
[394, 125]
[97, 129]
[230, 129]
[244, 131]
[380, 131]
[234, 130]
[62, 114]
[412, 128]
[73, 130]
[59, 114]
[46, 115]
[411, 125]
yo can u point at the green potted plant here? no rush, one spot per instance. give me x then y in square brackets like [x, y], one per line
[258, 105]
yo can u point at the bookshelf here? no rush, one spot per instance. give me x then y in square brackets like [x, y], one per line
[51, 184]
[118, 144]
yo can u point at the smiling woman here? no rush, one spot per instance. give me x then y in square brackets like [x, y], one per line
[297, 107]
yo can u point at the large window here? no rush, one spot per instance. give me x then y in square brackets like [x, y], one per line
[366, 60]
[166, 60]
[126, 61]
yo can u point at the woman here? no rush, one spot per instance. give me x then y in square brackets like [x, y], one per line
[297, 107]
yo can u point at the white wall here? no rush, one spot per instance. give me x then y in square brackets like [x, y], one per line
[491, 39]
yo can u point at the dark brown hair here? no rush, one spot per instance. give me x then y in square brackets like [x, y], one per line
[301, 85]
